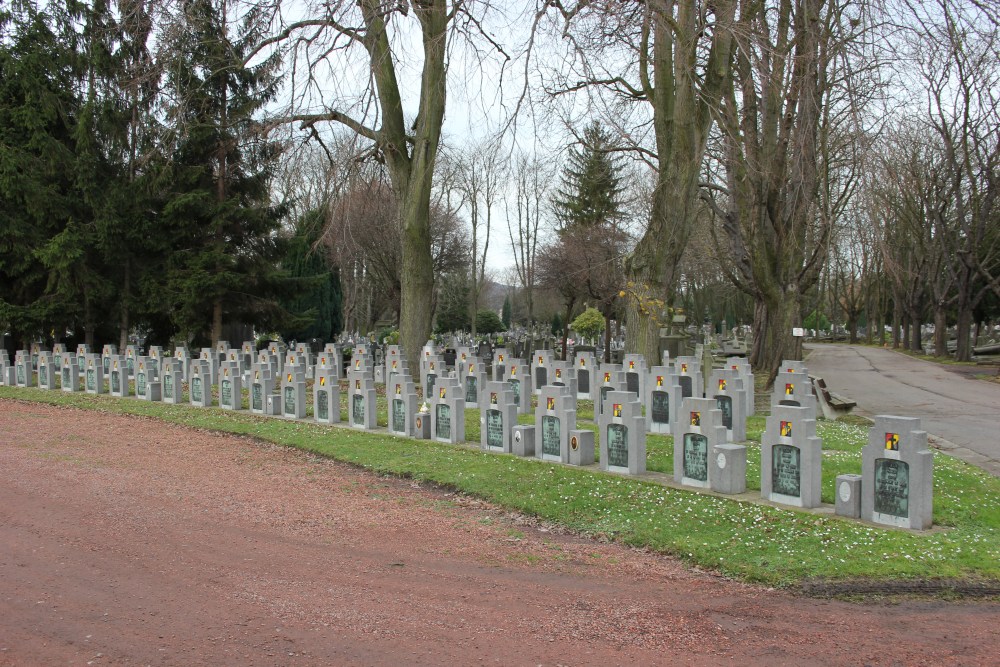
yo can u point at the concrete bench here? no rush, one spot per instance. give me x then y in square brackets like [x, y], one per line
[833, 405]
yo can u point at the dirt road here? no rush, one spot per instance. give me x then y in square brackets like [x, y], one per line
[125, 541]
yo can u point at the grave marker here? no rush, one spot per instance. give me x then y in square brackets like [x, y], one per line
[326, 395]
[361, 400]
[200, 384]
[555, 423]
[519, 379]
[118, 379]
[448, 411]
[622, 434]
[541, 361]
[402, 399]
[727, 390]
[473, 377]
[586, 365]
[230, 388]
[293, 389]
[794, 389]
[663, 398]
[93, 377]
[46, 371]
[498, 415]
[697, 430]
[791, 457]
[897, 471]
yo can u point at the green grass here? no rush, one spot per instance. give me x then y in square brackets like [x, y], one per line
[749, 541]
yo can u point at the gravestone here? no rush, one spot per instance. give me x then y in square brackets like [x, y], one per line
[688, 371]
[236, 358]
[519, 379]
[727, 389]
[25, 376]
[210, 373]
[332, 358]
[144, 374]
[70, 374]
[401, 396]
[326, 395]
[262, 387]
[635, 374]
[742, 366]
[663, 398]
[295, 364]
[793, 389]
[46, 371]
[610, 378]
[622, 434]
[435, 368]
[58, 356]
[847, 496]
[555, 421]
[522, 440]
[729, 468]
[8, 373]
[183, 356]
[541, 361]
[171, 379]
[155, 359]
[499, 366]
[249, 352]
[118, 382]
[697, 430]
[132, 353]
[361, 401]
[93, 375]
[465, 355]
[106, 353]
[82, 350]
[498, 415]
[200, 383]
[791, 457]
[448, 411]
[293, 389]
[793, 366]
[563, 374]
[585, 364]
[422, 425]
[897, 471]
[230, 388]
[473, 374]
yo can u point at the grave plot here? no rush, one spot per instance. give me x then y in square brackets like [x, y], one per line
[402, 400]
[897, 474]
[498, 415]
[663, 397]
[448, 411]
[697, 430]
[361, 400]
[326, 396]
[230, 388]
[623, 434]
[791, 458]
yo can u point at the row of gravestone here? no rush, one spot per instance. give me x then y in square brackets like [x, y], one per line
[895, 486]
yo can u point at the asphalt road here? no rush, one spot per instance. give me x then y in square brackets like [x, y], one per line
[961, 414]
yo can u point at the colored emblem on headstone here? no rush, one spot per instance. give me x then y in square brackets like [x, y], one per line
[322, 380]
[513, 371]
[659, 380]
[357, 385]
[493, 398]
[558, 373]
[607, 377]
[289, 377]
[550, 403]
[442, 392]
[892, 441]
[616, 410]
[399, 389]
[631, 365]
[540, 360]
[684, 368]
[789, 389]
[786, 429]
[722, 384]
[695, 419]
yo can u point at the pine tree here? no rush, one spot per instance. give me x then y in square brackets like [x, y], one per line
[591, 188]
[317, 309]
[216, 181]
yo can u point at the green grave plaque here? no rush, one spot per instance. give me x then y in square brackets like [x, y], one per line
[196, 389]
[225, 393]
[116, 382]
[65, 376]
[107, 364]
[130, 365]
[786, 470]
[541, 376]
[443, 421]
[20, 374]
[288, 403]
[892, 487]
[358, 409]
[322, 404]
[140, 383]
[168, 384]
[91, 379]
[696, 456]
[618, 445]
[660, 409]
[257, 396]
[516, 386]
[725, 404]
[431, 380]
[494, 429]
[398, 415]
[550, 435]
[471, 389]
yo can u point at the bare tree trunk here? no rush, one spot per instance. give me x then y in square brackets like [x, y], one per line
[940, 330]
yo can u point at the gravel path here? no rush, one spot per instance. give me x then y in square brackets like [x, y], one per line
[125, 541]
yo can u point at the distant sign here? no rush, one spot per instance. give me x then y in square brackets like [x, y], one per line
[798, 332]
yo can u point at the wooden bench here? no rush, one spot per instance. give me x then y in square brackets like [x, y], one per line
[833, 405]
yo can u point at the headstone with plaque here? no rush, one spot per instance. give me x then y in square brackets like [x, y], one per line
[183, 356]
[464, 355]
[144, 374]
[211, 359]
[793, 366]
[448, 411]
[261, 387]
[46, 371]
[326, 395]
[70, 374]
[58, 356]
[791, 457]
[555, 418]
[697, 429]
[663, 397]
[230, 387]
[249, 353]
[585, 364]
[25, 375]
[107, 352]
[362, 360]
[35, 350]
[519, 378]
[171, 377]
[200, 382]
[563, 374]
[155, 359]
[331, 358]
[622, 431]
[498, 415]
[132, 353]
[634, 366]
[93, 375]
[293, 389]
[401, 395]
[361, 400]
[541, 362]
[82, 350]
[726, 388]
[610, 378]
[473, 376]
[499, 367]
[433, 369]
[688, 371]
[8, 374]
[742, 366]
[897, 471]
[118, 382]
[793, 389]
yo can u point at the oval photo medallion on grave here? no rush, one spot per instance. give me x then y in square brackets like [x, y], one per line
[574, 443]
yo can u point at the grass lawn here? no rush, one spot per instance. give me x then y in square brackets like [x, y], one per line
[752, 542]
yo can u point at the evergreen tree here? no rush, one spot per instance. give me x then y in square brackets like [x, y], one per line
[453, 303]
[505, 313]
[216, 178]
[590, 194]
[317, 309]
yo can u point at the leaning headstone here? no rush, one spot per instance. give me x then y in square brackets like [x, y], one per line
[555, 419]
[361, 400]
[498, 415]
[200, 383]
[230, 388]
[93, 375]
[118, 382]
[623, 434]
[663, 397]
[448, 411]
[791, 457]
[326, 396]
[697, 430]
[293, 390]
[793, 389]
[519, 379]
[726, 388]
[402, 399]
[473, 374]
[897, 470]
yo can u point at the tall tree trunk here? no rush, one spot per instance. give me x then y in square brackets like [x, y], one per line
[416, 305]
[607, 338]
[940, 330]
[964, 331]
[915, 321]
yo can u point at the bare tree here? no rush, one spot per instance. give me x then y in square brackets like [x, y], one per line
[532, 179]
